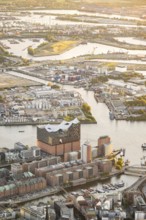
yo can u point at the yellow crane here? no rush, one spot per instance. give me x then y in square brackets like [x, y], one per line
[117, 162]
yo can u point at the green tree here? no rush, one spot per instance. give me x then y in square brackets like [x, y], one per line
[54, 86]
[30, 51]
[1, 99]
[50, 37]
[69, 118]
[86, 108]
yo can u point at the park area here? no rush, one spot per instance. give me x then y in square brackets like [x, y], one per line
[8, 81]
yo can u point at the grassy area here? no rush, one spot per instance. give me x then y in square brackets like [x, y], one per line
[68, 4]
[127, 76]
[54, 48]
[140, 112]
[8, 81]
[3, 53]
[62, 46]
[139, 101]
[29, 4]
[116, 2]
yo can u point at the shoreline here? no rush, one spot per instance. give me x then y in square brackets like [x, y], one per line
[38, 123]
[58, 190]
[53, 53]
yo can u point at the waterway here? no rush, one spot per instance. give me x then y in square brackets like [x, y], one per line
[131, 40]
[49, 18]
[76, 12]
[20, 49]
[128, 135]
[96, 185]
[124, 134]
[140, 62]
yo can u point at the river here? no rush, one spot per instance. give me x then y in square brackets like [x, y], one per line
[76, 12]
[128, 135]
[20, 49]
[49, 18]
[124, 134]
[131, 40]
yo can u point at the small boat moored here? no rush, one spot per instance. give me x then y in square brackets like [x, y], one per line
[111, 115]
[120, 184]
[143, 146]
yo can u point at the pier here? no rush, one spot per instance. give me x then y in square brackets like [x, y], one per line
[51, 191]
[136, 185]
[135, 171]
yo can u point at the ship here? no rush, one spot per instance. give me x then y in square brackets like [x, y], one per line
[143, 146]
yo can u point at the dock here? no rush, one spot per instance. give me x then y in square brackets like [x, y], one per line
[52, 191]
[136, 170]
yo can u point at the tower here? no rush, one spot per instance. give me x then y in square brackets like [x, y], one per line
[86, 153]
[104, 146]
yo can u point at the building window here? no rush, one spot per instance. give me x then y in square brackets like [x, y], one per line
[90, 172]
[70, 176]
[81, 174]
[60, 180]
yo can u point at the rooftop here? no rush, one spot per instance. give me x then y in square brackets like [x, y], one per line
[65, 125]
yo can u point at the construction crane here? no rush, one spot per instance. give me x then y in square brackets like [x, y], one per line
[117, 162]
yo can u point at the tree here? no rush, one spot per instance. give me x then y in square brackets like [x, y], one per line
[25, 61]
[69, 118]
[1, 99]
[50, 37]
[30, 51]
[111, 65]
[86, 108]
[54, 86]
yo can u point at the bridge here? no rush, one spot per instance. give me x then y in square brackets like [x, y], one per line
[135, 186]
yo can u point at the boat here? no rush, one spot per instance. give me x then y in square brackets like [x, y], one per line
[111, 115]
[100, 190]
[21, 131]
[120, 184]
[105, 187]
[143, 146]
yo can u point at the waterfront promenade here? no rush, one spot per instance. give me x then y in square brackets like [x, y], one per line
[31, 197]
[53, 190]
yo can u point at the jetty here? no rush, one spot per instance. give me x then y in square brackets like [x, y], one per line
[136, 170]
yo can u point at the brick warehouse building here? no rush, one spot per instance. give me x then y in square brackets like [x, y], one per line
[59, 139]
[22, 187]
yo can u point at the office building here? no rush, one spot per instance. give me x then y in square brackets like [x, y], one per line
[86, 153]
